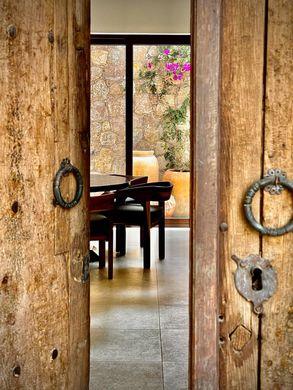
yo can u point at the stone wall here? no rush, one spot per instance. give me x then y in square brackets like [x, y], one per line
[108, 109]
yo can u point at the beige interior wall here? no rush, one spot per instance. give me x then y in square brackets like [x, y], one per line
[140, 16]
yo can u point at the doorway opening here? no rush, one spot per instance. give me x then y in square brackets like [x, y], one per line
[146, 311]
[140, 93]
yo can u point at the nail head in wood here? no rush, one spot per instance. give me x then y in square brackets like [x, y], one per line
[223, 227]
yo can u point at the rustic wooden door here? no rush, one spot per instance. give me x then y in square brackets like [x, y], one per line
[242, 125]
[44, 118]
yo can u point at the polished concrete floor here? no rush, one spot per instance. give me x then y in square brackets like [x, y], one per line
[139, 320]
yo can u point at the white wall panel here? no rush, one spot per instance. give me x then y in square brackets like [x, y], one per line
[140, 16]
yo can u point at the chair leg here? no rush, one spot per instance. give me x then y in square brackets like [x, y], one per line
[110, 256]
[147, 248]
[141, 231]
[121, 239]
[102, 254]
[162, 239]
[93, 256]
[118, 240]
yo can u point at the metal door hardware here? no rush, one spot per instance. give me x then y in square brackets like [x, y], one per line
[65, 168]
[255, 279]
[273, 182]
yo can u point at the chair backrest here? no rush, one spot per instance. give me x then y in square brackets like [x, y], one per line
[153, 191]
[102, 202]
[133, 180]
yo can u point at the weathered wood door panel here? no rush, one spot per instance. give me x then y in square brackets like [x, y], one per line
[44, 118]
[242, 61]
[276, 359]
[253, 96]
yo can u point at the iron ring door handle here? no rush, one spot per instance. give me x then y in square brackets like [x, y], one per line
[274, 182]
[66, 167]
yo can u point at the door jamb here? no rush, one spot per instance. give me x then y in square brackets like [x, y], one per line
[204, 206]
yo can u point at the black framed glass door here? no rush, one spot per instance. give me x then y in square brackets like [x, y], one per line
[125, 113]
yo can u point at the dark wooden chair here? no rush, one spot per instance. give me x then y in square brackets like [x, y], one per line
[101, 227]
[121, 229]
[133, 208]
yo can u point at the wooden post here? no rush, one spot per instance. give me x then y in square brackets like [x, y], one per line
[44, 118]
[205, 189]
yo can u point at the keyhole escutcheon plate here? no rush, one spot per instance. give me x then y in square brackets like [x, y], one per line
[255, 279]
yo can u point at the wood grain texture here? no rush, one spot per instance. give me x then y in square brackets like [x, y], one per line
[60, 92]
[36, 288]
[204, 204]
[79, 125]
[277, 326]
[241, 152]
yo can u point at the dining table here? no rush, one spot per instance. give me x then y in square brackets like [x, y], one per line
[101, 182]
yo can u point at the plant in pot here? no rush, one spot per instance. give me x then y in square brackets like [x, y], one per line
[166, 76]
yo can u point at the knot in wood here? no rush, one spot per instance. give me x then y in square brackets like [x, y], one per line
[11, 31]
[51, 36]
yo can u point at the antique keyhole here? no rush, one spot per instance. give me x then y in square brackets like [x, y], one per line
[256, 279]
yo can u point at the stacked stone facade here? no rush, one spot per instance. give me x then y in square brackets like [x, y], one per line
[108, 108]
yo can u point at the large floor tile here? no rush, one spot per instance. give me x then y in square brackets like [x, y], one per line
[126, 376]
[175, 345]
[128, 286]
[177, 295]
[173, 279]
[173, 264]
[175, 375]
[125, 345]
[139, 320]
[173, 316]
[125, 316]
[177, 241]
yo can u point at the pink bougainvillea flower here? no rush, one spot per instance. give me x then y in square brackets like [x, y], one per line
[175, 66]
[166, 51]
[177, 76]
[149, 65]
[172, 67]
[186, 67]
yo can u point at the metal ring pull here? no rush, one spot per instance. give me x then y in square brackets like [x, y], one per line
[66, 167]
[274, 182]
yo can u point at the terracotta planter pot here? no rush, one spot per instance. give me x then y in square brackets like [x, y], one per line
[145, 163]
[180, 191]
[170, 206]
